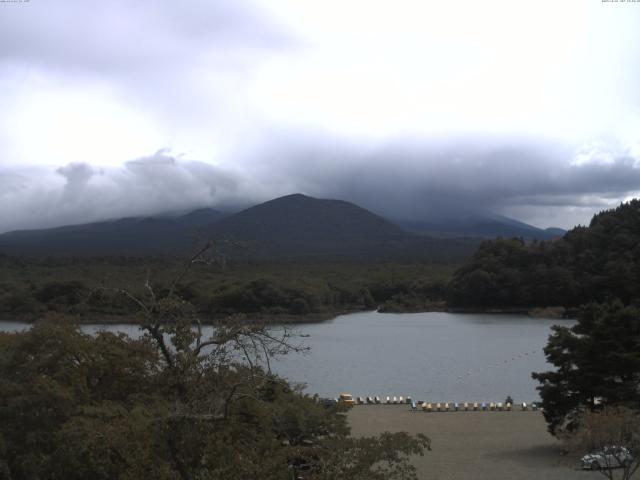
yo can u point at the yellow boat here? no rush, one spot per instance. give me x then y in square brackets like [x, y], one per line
[346, 399]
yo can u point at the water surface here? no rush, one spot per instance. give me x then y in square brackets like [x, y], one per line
[429, 356]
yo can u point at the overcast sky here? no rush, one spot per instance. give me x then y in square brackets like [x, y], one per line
[411, 108]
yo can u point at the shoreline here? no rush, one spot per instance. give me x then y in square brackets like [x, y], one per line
[105, 319]
[559, 313]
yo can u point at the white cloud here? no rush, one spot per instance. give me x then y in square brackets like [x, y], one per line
[517, 106]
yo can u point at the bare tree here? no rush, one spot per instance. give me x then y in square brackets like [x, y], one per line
[192, 357]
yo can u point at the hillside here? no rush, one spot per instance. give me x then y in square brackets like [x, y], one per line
[588, 264]
[290, 228]
[297, 227]
[126, 236]
[480, 226]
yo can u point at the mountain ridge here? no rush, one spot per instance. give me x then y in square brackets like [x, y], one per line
[289, 228]
[480, 226]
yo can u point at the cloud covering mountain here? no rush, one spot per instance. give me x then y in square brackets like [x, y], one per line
[402, 181]
[410, 108]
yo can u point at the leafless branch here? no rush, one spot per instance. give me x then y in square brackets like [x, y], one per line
[195, 258]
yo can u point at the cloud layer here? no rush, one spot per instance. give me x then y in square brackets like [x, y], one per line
[78, 192]
[542, 184]
[411, 108]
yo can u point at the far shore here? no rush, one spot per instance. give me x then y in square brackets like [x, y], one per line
[102, 319]
[287, 319]
[475, 445]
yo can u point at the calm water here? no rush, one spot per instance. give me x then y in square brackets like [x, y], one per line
[429, 356]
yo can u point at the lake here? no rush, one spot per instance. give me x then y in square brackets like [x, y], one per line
[429, 356]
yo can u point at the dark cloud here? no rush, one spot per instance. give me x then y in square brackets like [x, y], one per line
[544, 184]
[539, 181]
[77, 193]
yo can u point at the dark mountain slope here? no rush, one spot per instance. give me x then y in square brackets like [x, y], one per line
[297, 227]
[298, 218]
[291, 228]
[200, 217]
[126, 236]
[483, 226]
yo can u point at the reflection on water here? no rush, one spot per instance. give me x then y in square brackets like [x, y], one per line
[428, 356]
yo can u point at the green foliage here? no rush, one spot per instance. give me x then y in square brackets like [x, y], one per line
[587, 264]
[89, 287]
[597, 364]
[75, 406]
[173, 404]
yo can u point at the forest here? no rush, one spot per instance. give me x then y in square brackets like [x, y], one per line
[594, 263]
[89, 289]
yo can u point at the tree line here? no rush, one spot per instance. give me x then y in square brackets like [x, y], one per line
[594, 263]
[32, 288]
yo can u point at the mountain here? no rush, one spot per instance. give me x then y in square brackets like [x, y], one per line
[555, 232]
[297, 219]
[125, 236]
[290, 228]
[200, 217]
[301, 228]
[482, 226]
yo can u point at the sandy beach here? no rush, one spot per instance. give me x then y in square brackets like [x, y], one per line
[475, 445]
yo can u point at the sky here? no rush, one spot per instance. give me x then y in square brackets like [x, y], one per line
[414, 109]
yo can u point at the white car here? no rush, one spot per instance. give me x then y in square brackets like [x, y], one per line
[608, 457]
